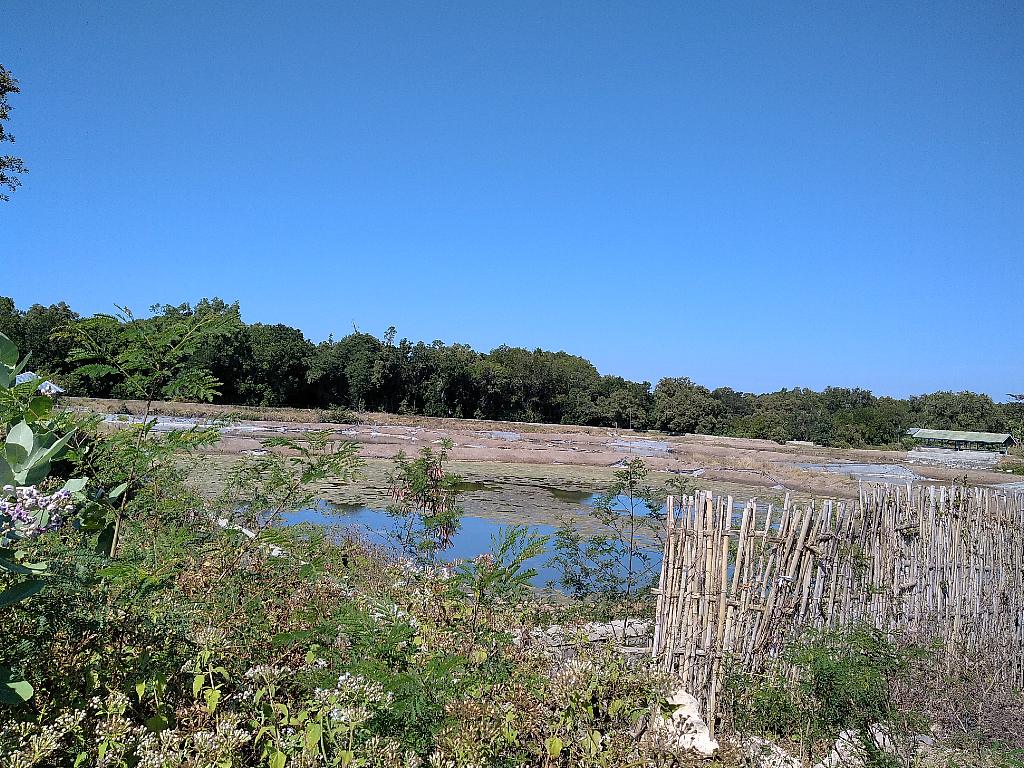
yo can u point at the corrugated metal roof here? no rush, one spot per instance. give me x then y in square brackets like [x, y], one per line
[963, 437]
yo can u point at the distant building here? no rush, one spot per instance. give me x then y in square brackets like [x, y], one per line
[963, 441]
[45, 387]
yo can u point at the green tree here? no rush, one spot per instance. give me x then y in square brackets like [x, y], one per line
[11, 322]
[274, 368]
[958, 410]
[630, 405]
[149, 358]
[1015, 415]
[340, 373]
[680, 406]
[388, 374]
[613, 566]
[456, 391]
[42, 328]
[10, 166]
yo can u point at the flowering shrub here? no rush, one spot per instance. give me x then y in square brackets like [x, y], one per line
[29, 448]
[26, 511]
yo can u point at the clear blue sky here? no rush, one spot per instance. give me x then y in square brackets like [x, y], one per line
[755, 195]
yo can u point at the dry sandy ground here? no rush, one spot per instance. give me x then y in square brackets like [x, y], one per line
[563, 457]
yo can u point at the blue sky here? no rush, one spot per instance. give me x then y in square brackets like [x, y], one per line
[754, 195]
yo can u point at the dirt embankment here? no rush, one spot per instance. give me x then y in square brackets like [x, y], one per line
[758, 466]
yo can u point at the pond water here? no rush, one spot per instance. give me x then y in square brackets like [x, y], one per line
[890, 473]
[498, 434]
[474, 538]
[641, 447]
[374, 525]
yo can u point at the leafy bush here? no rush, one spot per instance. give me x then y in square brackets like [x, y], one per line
[614, 568]
[828, 681]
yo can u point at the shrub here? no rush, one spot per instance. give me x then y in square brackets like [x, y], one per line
[828, 681]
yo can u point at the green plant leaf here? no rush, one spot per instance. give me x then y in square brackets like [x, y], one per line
[313, 733]
[14, 689]
[20, 442]
[20, 592]
[44, 456]
[105, 541]
[553, 746]
[212, 697]
[40, 407]
[75, 484]
[28, 569]
[8, 352]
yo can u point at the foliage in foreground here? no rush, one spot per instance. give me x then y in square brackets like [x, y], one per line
[214, 636]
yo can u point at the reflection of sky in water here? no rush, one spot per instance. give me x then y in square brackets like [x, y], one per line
[474, 538]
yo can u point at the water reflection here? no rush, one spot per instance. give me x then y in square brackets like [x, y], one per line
[375, 525]
[474, 538]
[575, 496]
[470, 486]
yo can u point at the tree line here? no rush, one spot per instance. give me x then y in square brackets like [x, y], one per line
[275, 365]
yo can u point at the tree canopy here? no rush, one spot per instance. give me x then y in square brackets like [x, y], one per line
[276, 365]
[10, 166]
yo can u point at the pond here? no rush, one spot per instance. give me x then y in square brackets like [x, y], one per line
[872, 473]
[474, 538]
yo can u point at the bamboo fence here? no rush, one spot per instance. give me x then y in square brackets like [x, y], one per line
[738, 582]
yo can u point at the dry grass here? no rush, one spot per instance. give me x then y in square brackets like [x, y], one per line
[199, 410]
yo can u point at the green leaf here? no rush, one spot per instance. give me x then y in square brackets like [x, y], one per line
[20, 592]
[553, 746]
[40, 407]
[197, 685]
[277, 760]
[95, 370]
[105, 541]
[140, 689]
[118, 490]
[28, 569]
[14, 689]
[157, 723]
[75, 484]
[313, 733]
[45, 456]
[212, 697]
[22, 365]
[20, 442]
[8, 351]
